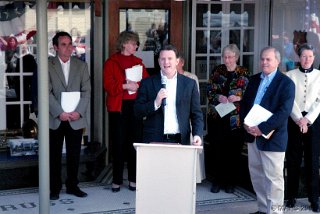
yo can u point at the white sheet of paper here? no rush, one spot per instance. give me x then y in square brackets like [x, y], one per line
[134, 74]
[257, 115]
[225, 108]
[70, 100]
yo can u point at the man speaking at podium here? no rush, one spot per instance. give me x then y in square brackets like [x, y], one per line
[169, 103]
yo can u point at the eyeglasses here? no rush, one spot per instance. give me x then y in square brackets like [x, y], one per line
[228, 57]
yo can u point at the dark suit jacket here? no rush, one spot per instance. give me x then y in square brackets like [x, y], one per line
[187, 107]
[278, 99]
[79, 80]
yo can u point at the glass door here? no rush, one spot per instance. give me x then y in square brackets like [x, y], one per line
[215, 25]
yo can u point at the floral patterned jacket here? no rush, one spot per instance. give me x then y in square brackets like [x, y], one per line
[223, 82]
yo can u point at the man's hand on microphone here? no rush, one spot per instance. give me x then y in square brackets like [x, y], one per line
[161, 94]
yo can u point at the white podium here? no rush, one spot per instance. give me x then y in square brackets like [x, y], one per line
[166, 178]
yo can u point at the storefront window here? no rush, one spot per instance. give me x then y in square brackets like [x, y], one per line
[294, 23]
[18, 52]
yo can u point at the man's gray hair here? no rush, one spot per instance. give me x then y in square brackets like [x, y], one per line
[276, 52]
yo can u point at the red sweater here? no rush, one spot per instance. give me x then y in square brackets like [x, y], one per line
[114, 77]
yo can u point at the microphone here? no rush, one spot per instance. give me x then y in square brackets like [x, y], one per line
[163, 85]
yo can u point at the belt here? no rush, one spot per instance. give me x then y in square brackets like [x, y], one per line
[172, 136]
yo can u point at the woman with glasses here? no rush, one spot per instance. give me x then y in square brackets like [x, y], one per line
[227, 85]
[303, 129]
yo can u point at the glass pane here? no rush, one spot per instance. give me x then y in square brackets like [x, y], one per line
[201, 67]
[151, 25]
[13, 116]
[235, 15]
[289, 57]
[248, 63]
[73, 18]
[203, 93]
[27, 88]
[294, 24]
[216, 15]
[26, 112]
[202, 15]
[201, 41]
[215, 41]
[234, 37]
[214, 61]
[248, 15]
[248, 40]
[19, 51]
[13, 87]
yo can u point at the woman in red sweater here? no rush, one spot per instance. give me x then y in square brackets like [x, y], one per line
[121, 94]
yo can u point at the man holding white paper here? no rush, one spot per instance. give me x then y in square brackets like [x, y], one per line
[275, 92]
[69, 86]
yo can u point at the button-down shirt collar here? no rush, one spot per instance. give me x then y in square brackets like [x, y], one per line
[171, 125]
[66, 69]
[264, 84]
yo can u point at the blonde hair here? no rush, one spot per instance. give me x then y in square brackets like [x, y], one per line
[124, 37]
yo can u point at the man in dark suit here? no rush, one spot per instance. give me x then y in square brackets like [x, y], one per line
[66, 74]
[275, 92]
[169, 102]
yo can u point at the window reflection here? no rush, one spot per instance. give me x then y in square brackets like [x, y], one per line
[151, 25]
[202, 17]
[234, 37]
[153, 30]
[18, 52]
[292, 26]
[248, 62]
[214, 61]
[250, 17]
[201, 67]
[248, 40]
[201, 41]
[216, 16]
[215, 41]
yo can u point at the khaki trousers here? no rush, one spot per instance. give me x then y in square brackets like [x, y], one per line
[266, 172]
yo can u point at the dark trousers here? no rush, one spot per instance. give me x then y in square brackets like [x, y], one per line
[125, 130]
[225, 147]
[306, 146]
[73, 140]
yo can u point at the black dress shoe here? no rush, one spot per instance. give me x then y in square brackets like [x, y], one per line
[315, 207]
[229, 189]
[291, 203]
[54, 196]
[77, 192]
[258, 212]
[115, 189]
[215, 188]
[132, 188]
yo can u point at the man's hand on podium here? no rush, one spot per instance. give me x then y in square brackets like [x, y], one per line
[196, 140]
